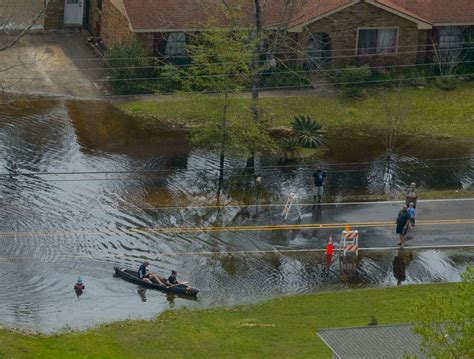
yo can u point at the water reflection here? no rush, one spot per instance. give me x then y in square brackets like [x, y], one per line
[400, 263]
[83, 223]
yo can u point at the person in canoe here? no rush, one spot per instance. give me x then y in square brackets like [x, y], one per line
[149, 277]
[173, 280]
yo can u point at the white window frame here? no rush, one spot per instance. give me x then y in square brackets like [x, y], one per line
[395, 53]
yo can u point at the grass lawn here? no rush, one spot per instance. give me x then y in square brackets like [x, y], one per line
[280, 328]
[430, 110]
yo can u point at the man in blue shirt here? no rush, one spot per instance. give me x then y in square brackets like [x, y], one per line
[149, 277]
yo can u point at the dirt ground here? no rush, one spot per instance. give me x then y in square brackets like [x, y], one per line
[52, 63]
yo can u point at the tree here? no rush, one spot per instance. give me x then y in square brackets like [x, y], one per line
[219, 69]
[448, 55]
[446, 322]
[128, 63]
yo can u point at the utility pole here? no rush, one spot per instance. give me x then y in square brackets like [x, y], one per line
[256, 74]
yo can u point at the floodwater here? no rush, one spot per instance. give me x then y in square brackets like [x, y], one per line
[57, 226]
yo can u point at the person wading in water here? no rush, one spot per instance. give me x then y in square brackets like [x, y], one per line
[319, 178]
[403, 221]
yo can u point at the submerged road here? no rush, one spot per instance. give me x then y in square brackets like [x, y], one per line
[439, 223]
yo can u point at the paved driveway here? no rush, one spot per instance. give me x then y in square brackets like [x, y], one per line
[52, 63]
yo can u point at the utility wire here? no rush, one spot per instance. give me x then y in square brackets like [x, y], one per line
[317, 70]
[269, 72]
[216, 170]
[460, 46]
[229, 168]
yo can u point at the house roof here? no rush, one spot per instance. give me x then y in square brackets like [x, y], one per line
[373, 342]
[173, 15]
[168, 15]
[440, 11]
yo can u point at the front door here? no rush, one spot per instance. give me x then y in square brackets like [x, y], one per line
[73, 12]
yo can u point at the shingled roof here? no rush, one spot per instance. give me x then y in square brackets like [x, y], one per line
[374, 342]
[440, 11]
[172, 15]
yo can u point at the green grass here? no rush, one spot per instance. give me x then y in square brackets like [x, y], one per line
[430, 110]
[280, 328]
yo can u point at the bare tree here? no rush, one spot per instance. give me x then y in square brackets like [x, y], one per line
[395, 111]
[448, 55]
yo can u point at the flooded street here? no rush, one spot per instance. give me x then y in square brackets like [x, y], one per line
[57, 225]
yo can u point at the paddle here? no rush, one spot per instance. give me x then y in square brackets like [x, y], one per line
[174, 285]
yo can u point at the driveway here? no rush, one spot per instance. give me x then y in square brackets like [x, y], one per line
[52, 63]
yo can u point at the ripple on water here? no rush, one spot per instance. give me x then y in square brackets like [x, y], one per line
[57, 227]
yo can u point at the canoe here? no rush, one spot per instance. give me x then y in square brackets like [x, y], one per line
[132, 276]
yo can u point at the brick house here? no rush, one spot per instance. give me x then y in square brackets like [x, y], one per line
[338, 31]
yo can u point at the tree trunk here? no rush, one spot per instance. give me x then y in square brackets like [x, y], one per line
[221, 177]
[222, 150]
[250, 166]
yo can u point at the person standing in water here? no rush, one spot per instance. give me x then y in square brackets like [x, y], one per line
[319, 178]
[403, 221]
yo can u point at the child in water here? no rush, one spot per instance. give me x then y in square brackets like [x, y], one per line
[79, 284]
[411, 212]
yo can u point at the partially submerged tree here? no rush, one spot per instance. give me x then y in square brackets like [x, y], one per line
[219, 69]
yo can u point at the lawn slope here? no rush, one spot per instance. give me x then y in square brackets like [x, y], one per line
[280, 328]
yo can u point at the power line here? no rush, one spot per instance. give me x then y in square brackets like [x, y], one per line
[217, 229]
[279, 60]
[299, 87]
[269, 72]
[277, 250]
[352, 49]
[124, 179]
[229, 168]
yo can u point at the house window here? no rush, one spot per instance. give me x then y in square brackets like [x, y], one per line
[377, 41]
[450, 37]
[175, 44]
[318, 52]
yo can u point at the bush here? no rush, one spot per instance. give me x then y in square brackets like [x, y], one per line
[281, 77]
[352, 80]
[132, 71]
[351, 76]
[358, 93]
[308, 132]
[447, 83]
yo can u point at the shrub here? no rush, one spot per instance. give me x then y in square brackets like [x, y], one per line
[132, 71]
[358, 93]
[351, 76]
[289, 147]
[447, 83]
[351, 79]
[308, 132]
[281, 77]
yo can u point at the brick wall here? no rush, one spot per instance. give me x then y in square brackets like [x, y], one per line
[54, 15]
[115, 29]
[94, 18]
[342, 27]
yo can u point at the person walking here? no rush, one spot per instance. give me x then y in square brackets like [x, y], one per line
[411, 195]
[319, 178]
[329, 253]
[403, 221]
